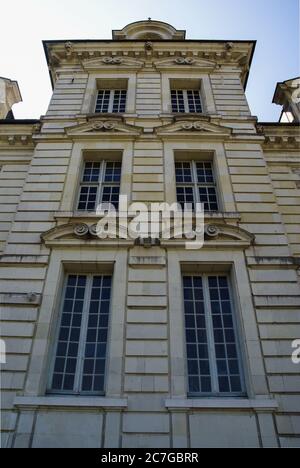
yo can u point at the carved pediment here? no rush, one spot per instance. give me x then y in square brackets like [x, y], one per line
[193, 63]
[112, 61]
[103, 126]
[219, 234]
[199, 126]
[80, 233]
[227, 233]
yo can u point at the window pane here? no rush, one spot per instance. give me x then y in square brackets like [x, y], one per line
[207, 189]
[92, 178]
[110, 194]
[199, 374]
[102, 103]
[183, 172]
[194, 101]
[205, 172]
[228, 368]
[205, 333]
[87, 198]
[69, 334]
[112, 172]
[208, 196]
[185, 197]
[91, 172]
[177, 100]
[119, 102]
[96, 338]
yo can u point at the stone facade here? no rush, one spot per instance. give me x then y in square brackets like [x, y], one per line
[257, 169]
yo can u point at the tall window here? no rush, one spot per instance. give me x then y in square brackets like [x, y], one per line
[111, 101]
[213, 359]
[100, 183]
[79, 365]
[195, 183]
[186, 100]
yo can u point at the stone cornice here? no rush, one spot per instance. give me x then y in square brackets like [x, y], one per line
[181, 53]
[18, 135]
[280, 136]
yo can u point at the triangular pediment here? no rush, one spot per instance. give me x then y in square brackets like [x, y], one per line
[103, 126]
[109, 62]
[198, 126]
[185, 63]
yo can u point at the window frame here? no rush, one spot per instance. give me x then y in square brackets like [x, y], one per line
[111, 103]
[100, 184]
[187, 109]
[82, 338]
[196, 185]
[211, 341]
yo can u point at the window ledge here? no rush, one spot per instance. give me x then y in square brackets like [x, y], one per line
[71, 402]
[264, 405]
[224, 215]
[75, 214]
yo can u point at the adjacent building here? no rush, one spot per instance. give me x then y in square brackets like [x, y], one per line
[144, 343]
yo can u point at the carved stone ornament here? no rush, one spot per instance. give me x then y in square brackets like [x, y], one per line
[112, 60]
[104, 126]
[93, 230]
[69, 46]
[229, 45]
[184, 61]
[260, 129]
[191, 126]
[148, 45]
[83, 230]
[211, 230]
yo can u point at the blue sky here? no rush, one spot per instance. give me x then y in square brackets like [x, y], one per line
[273, 23]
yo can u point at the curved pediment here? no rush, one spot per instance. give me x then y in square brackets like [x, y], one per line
[73, 234]
[216, 235]
[227, 233]
[148, 30]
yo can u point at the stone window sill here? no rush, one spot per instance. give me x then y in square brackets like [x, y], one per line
[70, 402]
[263, 405]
